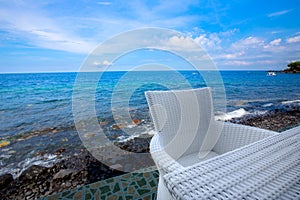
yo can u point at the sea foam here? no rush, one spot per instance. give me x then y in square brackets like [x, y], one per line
[230, 115]
[291, 102]
[16, 170]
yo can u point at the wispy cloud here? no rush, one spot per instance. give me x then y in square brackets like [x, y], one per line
[274, 45]
[253, 52]
[46, 30]
[229, 32]
[279, 13]
[41, 31]
[104, 3]
[237, 62]
[293, 39]
[232, 55]
[249, 42]
[222, 30]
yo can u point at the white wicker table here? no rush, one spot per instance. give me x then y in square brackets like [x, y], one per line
[267, 169]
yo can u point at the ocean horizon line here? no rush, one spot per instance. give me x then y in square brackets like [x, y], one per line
[180, 70]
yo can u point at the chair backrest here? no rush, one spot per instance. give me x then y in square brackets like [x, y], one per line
[182, 118]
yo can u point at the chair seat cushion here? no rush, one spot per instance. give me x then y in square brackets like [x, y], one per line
[194, 158]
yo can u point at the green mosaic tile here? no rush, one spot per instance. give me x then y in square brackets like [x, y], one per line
[120, 193]
[104, 189]
[93, 191]
[78, 195]
[103, 197]
[54, 197]
[133, 183]
[147, 197]
[95, 185]
[116, 188]
[97, 195]
[70, 195]
[128, 186]
[88, 196]
[128, 197]
[113, 197]
[110, 180]
[154, 195]
[147, 175]
[131, 190]
[143, 191]
[152, 183]
[156, 175]
[125, 177]
[142, 182]
[108, 194]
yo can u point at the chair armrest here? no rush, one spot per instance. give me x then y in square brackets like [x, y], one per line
[234, 136]
[163, 161]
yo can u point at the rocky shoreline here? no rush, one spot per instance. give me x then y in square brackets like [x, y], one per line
[82, 168]
[71, 172]
[275, 120]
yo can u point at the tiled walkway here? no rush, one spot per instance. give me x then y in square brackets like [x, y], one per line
[127, 186]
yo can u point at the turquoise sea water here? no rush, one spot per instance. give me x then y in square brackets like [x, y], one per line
[36, 109]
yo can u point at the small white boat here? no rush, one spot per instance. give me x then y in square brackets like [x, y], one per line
[271, 74]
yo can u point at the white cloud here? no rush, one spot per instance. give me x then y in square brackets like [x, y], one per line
[237, 63]
[179, 43]
[232, 55]
[267, 62]
[211, 41]
[276, 42]
[41, 31]
[274, 45]
[293, 39]
[279, 13]
[276, 32]
[33, 24]
[103, 63]
[41, 27]
[250, 42]
[250, 52]
[104, 3]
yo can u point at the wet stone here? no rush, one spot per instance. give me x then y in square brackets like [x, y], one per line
[32, 172]
[5, 180]
[64, 173]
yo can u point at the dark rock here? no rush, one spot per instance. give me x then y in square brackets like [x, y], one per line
[278, 120]
[28, 193]
[40, 153]
[73, 171]
[64, 173]
[137, 145]
[59, 151]
[5, 180]
[32, 172]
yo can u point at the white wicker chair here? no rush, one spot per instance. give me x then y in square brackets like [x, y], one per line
[187, 132]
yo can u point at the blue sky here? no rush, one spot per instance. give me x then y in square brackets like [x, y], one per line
[56, 35]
